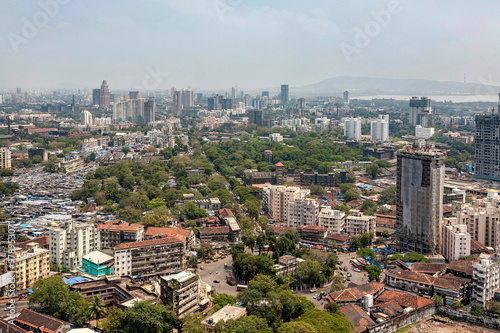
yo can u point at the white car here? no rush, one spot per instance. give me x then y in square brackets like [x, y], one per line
[313, 290]
[356, 269]
[315, 296]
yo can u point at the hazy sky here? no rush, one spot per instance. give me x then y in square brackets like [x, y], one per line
[209, 44]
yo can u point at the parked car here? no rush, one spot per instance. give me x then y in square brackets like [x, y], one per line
[320, 297]
[313, 290]
[349, 274]
[315, 296]
[216, 281]
[345, 268]
[356, 269]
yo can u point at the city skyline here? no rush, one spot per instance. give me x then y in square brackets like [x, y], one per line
[73, 45]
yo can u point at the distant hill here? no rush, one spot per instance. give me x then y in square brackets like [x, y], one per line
[368, 85]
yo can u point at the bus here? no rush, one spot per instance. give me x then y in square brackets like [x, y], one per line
[241, 287]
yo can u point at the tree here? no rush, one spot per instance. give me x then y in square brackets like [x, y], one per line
[261, 242]
[367, 238]
[317, 190]
[246, 324]
[49, 293]
[369, 207]
[205, 250]
[150, 318]
[237, 249]
[325, 322]
[296, 327]
[125, 150]
[250, 242]
[388, 196]
[363, 253]
[193, 262]
[113, 323]
[438, 299]
[373, 272]
[222, 300]
[6, 173]
[65, 269]
[469, 257]
[455, 305]
[74, 308]
[96, 308]
[332, 307]
[351, 194]
[337, 284]
[373, 170]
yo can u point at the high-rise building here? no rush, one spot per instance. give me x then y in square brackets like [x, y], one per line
[70, 242]
[242, 95]
[420, 111]
[5, 158]
[149, 110]
[333, 220]
[424, 132]
[176, 97]
[180, 291]
[86, 118]
[356, 223]
[187, 98]
[233, 93]
[199, 97]
[379, 129]
[346, 97]
[247, 100]
[301, 103]
[104, 95]
[96, 96]
[284, 94]
[487, 155]
[129, 109]
[227, 104]
[419, 197]
[216, 102]
[485, 279]
[18, 91]
[265, 94]
[277, 201]
[133, 94]
[352, 128]
[255, 117]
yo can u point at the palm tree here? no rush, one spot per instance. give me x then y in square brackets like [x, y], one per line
[97, 308]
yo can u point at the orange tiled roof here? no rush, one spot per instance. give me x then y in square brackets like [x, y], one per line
[119, 225]
[156, 231]
[404, 299]
[355, 293]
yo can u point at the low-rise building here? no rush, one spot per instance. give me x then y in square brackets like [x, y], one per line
[333, 220]
[28, 266]
[228, 312]
[116, 232]
[180, 291]
[71, 164]
[356, 295]
[155, 232]
[150, 257]
[234, 229]
[357, 223]
[313, 234]
[97, 264]
[287, 264]
[33, 321]
[214, 234]
[456, 239]
[486, 278]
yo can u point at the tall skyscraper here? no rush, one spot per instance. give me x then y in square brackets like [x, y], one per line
[419, 197]
[199, 97]
[96, 96]
[129, 109]
[284, 94]
[487, 155]
[346, 97]
[301, 103]
[176, 96]
[86, 118]
[227, 104]
[187, 98]
[352, 128]
[149, 110]
[255, 117]
[133, 94]
[18, 91]
[104, 95]
[379, 129]
[420, 111]
[5, 158]
[242, 95]
[233, 93]
[265, 94]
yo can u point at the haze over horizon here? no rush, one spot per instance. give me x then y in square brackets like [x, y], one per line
[215, 44]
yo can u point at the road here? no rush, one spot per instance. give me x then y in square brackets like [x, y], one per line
[209, 273]
[4, 311]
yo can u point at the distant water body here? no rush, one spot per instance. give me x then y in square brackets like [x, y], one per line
[437, 98]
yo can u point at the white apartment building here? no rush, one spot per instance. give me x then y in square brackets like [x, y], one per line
[333, 220]
[276, 199]
[379, 129]
[302, 212]
[424, 132]
[5, 158]
[482, 220]
[71, 241]
[275, 137]
[352, 128]
[456, 239]
[87, 118]
[485, 279]
[357, 223]
[181, 291]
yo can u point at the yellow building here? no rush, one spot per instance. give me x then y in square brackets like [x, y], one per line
[29, 266]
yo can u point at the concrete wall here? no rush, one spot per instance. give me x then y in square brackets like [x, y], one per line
[403, 320]
[470, 319]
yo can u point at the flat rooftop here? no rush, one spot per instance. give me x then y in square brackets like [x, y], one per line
[228, 312]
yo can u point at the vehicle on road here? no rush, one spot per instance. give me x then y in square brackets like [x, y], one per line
[241, 287]
[356, 269]
[349, 274]
[201, 267]
[320, 297]
[313, 290]
[217, 272]
[345, 268]
[315, 296]
[348, 279]
[216, 281]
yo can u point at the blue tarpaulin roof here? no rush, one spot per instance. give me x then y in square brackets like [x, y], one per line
[408, 263]
[76, 279]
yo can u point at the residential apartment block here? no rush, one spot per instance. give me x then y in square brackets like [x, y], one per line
[5, 158]
[357, 223]
[456, 239]
[333, 220]
[277, 199]
[155, 232]
[72, 240]
[29, 266]
[116, 232]
[302, 212]
[482, 219]
[180, 291]
[486, 279]
[150, 257]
